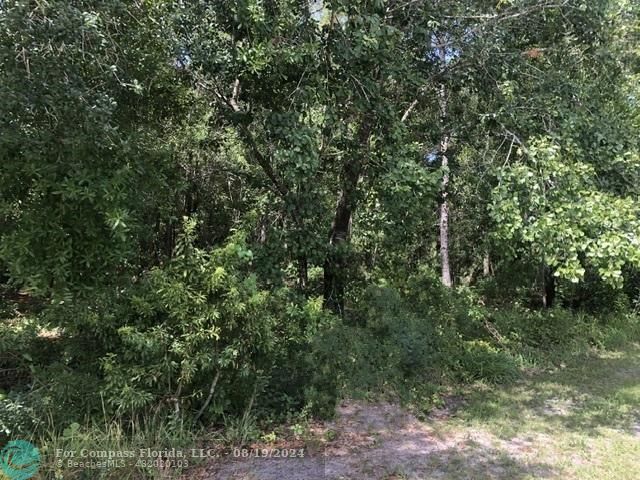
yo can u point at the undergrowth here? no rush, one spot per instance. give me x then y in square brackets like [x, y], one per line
[399, 344]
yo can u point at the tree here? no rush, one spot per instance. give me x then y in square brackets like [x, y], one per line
[314, 103]
[562, 193]
[79, 121]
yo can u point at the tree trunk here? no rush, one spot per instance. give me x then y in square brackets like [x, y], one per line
[444, 206]
[303, 272]
[548, 287]
[444, 241]
[335, 265]
[486, 265]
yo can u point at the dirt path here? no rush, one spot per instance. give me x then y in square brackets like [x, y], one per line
[578, 422]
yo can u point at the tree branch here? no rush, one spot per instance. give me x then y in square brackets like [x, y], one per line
[264, 163]
[409, 110]
[212, 389]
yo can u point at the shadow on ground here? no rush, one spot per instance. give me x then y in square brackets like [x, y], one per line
[584, 396]
[384, 442]
[581, 420]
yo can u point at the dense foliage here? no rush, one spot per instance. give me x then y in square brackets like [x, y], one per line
[246, 208]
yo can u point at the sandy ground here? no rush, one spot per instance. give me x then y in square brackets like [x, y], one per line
[384, 442]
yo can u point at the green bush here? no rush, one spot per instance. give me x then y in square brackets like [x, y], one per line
[482, 361]
[196, 338]
[559, 332]
[199, 338]
[537, 328]
[457, 310]
[387, 349]
[205, 338]
[392, 348]
[17, 417]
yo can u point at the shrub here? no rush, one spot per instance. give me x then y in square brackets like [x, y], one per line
[457, 310]
[482, 361]
[388, 349]
[17, 417]
[536, 328]
[196, 338]
[204, 338]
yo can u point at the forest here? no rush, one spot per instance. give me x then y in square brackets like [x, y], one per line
[222, 221]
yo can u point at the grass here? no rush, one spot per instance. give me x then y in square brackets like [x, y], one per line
[579, 421]
[81, 441]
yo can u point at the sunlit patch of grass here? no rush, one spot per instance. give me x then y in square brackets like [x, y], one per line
[584, 418]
